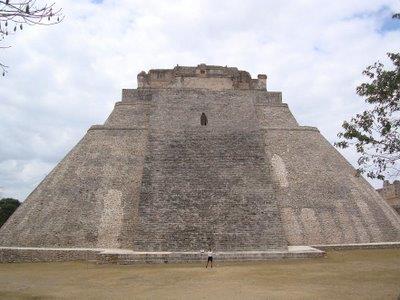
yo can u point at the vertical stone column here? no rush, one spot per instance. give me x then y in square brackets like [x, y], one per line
[261, 82]
[142, 79]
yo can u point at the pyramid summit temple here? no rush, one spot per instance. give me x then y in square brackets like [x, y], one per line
[200, 157]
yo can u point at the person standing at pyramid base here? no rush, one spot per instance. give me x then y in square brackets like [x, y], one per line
[210, 258]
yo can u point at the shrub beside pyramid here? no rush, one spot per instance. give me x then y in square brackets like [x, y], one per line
[199, 157]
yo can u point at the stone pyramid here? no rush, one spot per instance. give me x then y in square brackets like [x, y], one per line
[199, 157]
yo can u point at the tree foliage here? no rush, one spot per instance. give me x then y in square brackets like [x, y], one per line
[7, 208]
[15, 14]
[375, 133]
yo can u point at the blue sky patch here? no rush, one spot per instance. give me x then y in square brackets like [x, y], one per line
[390, 24]
[384, 17]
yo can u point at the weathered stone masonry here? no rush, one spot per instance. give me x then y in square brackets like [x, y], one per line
[152, 178]
[390, 192]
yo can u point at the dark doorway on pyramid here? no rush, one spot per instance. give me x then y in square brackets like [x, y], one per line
[203, 119]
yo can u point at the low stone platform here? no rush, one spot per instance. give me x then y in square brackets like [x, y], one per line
[334, 247]
[131, 257]
[125, 256]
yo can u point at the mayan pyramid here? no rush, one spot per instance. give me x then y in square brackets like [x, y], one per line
[197, 157]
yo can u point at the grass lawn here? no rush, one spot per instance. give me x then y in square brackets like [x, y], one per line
[356, 274]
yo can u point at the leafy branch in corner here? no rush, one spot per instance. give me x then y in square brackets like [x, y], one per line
[375, 133]
[14, 15]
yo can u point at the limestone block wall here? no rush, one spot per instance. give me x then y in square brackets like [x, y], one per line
[275, 115]
[390, 192]
[129, 115]
[152, 178]
[89, 200]
[201, 77]
[27, 255]
[206, 185]
[321, 199]
[206, 82]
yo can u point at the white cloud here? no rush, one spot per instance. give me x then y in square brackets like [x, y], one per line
[19, 177]
[65, 78]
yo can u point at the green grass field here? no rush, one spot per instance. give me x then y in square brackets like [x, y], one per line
[356, 274]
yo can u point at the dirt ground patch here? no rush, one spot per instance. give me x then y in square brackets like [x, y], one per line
[356, 274]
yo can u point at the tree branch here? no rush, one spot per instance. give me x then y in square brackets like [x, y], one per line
[15, 14]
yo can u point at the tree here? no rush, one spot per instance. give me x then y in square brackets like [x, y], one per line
[375, 133]
[7, 208]
[14, 15]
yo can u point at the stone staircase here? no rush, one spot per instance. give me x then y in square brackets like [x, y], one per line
[207, 188]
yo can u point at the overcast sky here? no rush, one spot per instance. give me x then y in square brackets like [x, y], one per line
[64, 78]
